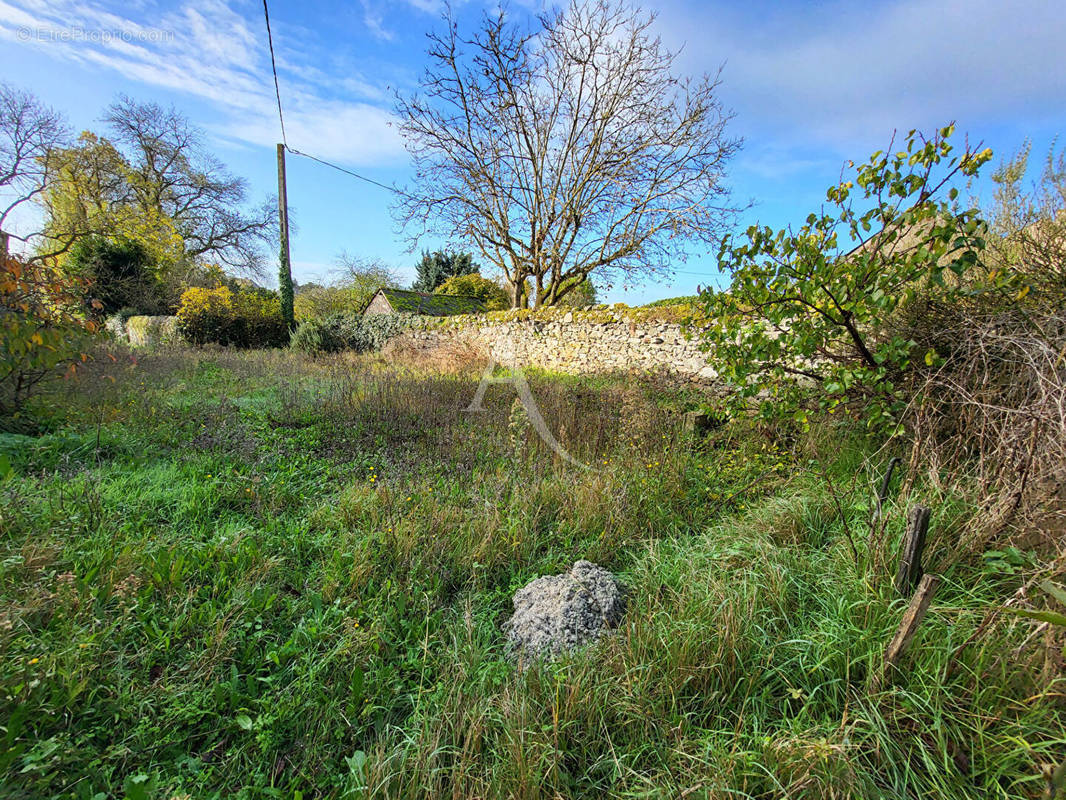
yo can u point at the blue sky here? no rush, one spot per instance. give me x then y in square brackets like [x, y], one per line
[811, 83]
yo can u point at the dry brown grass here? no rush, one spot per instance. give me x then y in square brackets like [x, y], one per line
[993, 419]
[444, 356]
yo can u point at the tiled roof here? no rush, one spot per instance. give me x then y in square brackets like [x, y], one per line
[404, 301]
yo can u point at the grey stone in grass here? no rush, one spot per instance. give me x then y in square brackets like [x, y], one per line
[559, 613]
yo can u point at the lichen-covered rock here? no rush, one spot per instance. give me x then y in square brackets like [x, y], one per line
[558, 613]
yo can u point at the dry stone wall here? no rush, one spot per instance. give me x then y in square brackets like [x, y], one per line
[576, 342]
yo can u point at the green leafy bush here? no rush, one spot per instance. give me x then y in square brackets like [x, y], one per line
[120, 272]
[371, 333]
[309, 337]
[245, 318]
[361, 334]
[805, 324]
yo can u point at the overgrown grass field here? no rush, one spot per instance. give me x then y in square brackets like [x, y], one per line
[260, 575]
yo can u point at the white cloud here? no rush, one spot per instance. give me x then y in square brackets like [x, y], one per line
[374, 13]
[780, 160]
[351, 133]
[847, 72]
[208, 50]
[429, 6]
[375, 20]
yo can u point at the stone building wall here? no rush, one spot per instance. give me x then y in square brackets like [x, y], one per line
[378, 305]
[577, 341]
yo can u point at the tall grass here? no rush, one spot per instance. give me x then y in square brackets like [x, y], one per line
[262, 575]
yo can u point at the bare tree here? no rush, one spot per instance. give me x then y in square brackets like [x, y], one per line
[366, 275]
[172, 174]
[30, 133]
[565, 151]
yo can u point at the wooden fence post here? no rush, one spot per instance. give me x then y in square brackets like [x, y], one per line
[912, 618]
[910, 564]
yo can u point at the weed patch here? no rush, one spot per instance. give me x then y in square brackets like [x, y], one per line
[262, 574]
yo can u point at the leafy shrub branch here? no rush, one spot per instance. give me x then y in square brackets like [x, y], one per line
[806, 323]
[45, 326]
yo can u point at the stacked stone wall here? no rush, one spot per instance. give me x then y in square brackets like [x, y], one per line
[578, 341]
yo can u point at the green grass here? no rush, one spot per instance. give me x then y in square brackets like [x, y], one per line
[257, 575]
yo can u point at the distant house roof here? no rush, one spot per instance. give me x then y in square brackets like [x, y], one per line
[897, 240]
[404, 301]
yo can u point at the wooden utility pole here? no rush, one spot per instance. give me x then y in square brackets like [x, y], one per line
[285, 292]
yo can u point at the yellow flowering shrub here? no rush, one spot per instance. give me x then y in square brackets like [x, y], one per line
[242, 318]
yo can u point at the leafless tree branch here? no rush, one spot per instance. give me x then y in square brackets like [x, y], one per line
[30, 134]
[565, 151]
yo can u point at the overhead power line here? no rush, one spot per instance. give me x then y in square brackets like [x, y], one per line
[281, 120]
[339, 168]
[274, 69]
